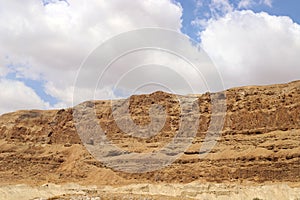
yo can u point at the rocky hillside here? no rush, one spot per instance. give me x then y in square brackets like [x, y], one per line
[259, 140]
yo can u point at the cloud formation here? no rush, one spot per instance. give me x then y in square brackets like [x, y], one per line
[253, 48]
[49, 41]
[245, 3]
[15, 95]
[214, 9]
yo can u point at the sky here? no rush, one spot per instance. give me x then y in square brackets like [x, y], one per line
[43, 44]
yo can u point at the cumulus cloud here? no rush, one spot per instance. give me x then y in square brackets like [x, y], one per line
[215, 9]
[253, 48]
[15, 95]
[49, 41]
[151, 58]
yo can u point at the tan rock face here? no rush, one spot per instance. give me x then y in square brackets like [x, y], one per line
[260, 140]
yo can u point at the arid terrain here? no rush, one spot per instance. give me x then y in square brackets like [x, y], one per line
[256, 156]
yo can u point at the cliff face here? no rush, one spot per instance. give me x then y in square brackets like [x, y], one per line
[260, 140]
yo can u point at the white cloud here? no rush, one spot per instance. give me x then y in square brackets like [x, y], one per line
[199, 22]
[143, 67]
[254, 48]
[3, 71]
[251, 3]
[220, 7]
[267, 2]
[50, 42]
[199, 3]
[15, 96]
[245, 3]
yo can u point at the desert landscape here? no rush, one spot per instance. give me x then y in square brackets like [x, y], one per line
[257, 155]
[149, 100]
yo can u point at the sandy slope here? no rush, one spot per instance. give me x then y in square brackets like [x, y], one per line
[192, 190]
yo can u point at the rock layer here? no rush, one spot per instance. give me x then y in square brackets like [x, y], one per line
[259, 142]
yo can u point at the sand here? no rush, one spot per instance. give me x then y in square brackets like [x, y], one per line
[194, 190]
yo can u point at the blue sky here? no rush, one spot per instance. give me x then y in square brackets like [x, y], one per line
[191, 12]
[282, 8]
[36, 85]
[44, 42]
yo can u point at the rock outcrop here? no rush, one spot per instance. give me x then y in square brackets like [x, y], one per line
[259, 140]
